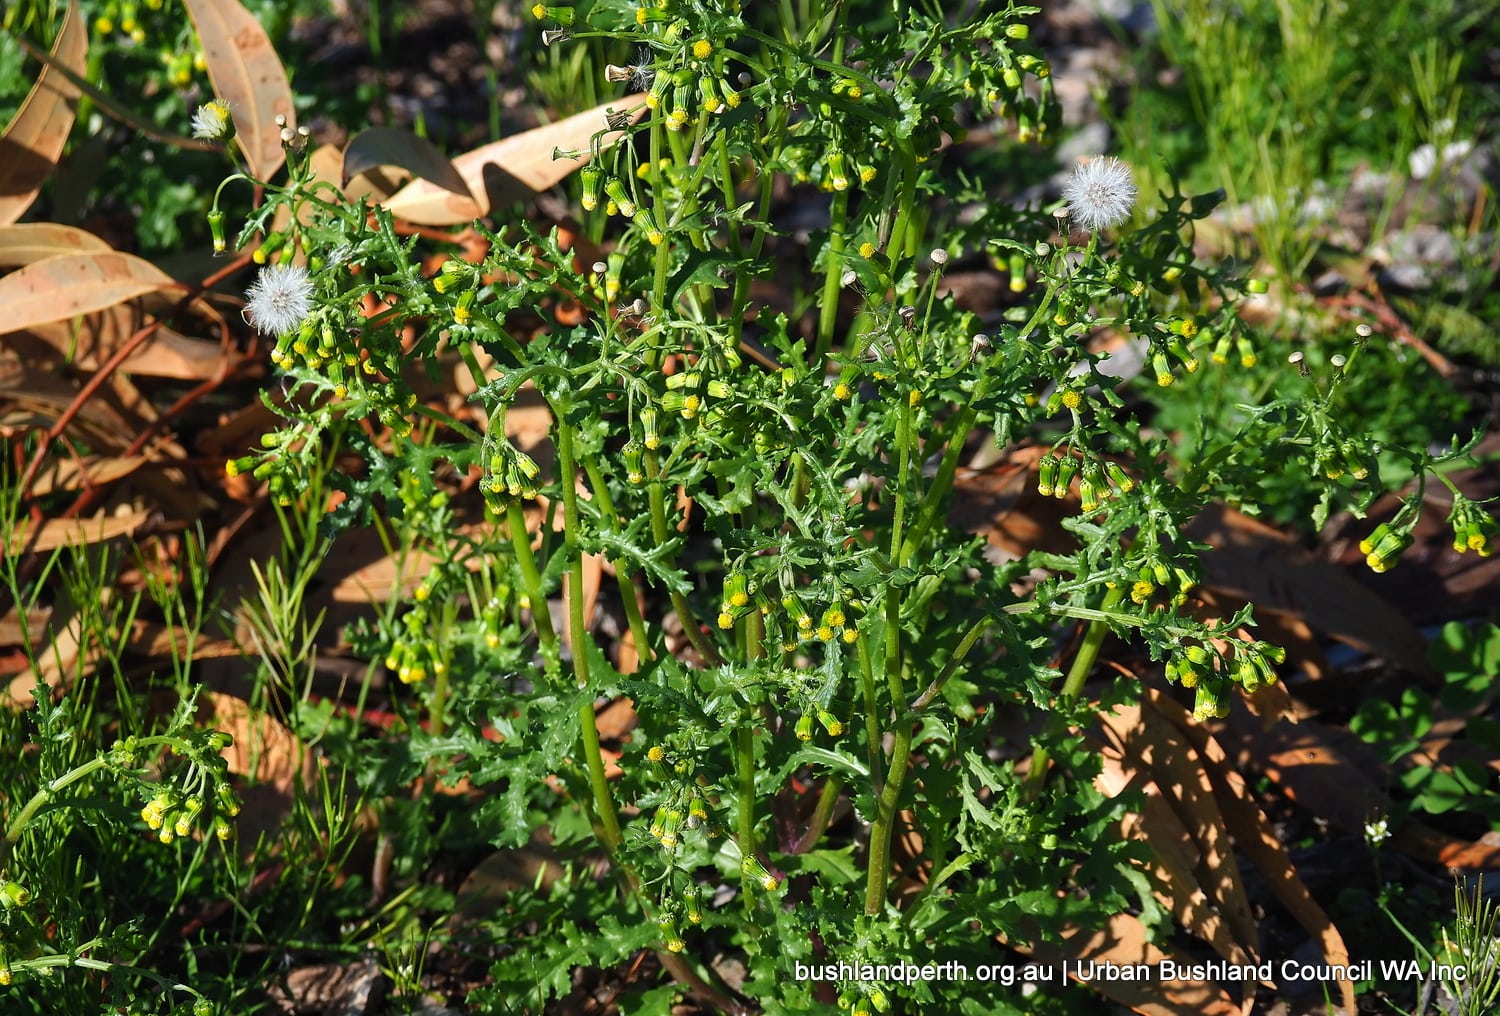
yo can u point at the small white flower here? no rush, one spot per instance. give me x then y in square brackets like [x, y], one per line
[279, 300]
[1377, 832]
[1100, 193]
[211, 122]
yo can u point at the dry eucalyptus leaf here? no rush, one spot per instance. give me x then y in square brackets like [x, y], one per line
[247, 74]
[33, 140]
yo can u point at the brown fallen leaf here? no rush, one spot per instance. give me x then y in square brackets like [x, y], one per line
[37, 398]
[33, 140]
[75, 474]
[88, 341]
[1195, 864]
[1123, 941]
[1306, 761]
[25, 242]
[247, 74]
[510, 169]
[57, 533]
[15, 631]
[65, 286]
[1255, 838]
[394, 146]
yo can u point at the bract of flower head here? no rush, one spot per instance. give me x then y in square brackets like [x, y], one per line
[211, 122]
[1100, 193]
[279, 300]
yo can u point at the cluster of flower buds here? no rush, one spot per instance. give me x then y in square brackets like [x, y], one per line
[686, 803]
[125, 15]
[1158, 577]
[1473, 527]
[1386, 543]
[1251, 665]
[283, 462]
[673, 908]
[863, 1000]
[1175, 346]
[740, 598]
[1233, 341]
[833, 624]
[510, 475]
[416, 654]
[690, 395]
[696, 82]
[805, 726]
[1336, 458]
[201, 794]
[1097, 481]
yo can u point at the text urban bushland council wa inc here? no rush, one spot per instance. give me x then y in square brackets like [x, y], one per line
[1009, 974]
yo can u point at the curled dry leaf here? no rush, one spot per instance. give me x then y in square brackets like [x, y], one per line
[392, 146]
[91, 471]
[1195, 869]
[1256, 839]
[33, 140]
[57, 533]
[264, 751]
[246, 73]
[1254, 562]
[511, 169]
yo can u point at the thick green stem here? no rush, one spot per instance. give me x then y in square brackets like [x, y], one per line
[957, 657]
[833, 270]
[567, 468]
[47, 793]
[520, 541]
[623, 575]
[885, 821]
[744, 764]
[679, 602]
[828, 799]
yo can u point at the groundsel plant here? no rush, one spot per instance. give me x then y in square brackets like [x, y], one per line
[825, 669]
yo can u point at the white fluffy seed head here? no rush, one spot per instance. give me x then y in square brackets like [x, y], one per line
[1100, 193]
[212, 122]
[279, 300]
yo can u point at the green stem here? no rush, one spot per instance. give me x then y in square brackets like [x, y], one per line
[520, 541]
[885, 822]
[567, 468]
[833, 270]
[1072, 686]
[828, 798]
[942, 482]
[45, 795]
[871, 711]
[679, 602]
[623, 574]
[960, 651]
[744, 764]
